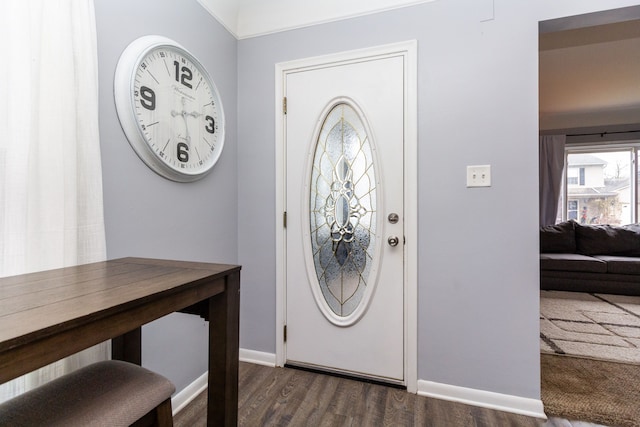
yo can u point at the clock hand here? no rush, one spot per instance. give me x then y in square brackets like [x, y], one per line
[186, 123]
[186, 126]
[183, 114]
[192, 114]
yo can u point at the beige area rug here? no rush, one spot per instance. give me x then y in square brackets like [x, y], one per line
[597, 326]
[591, 390]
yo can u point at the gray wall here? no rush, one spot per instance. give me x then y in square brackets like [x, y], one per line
[478, 297]
[478, 269]
[147, 215]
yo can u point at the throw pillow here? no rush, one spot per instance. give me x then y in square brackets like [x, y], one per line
[634, 231]
[558, 238]
[606, 240]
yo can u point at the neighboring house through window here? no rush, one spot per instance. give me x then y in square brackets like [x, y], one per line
[601, 184]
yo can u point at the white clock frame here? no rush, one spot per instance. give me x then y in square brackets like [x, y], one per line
[128, 66]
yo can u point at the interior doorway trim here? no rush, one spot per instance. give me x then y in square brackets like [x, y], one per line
[408, 50]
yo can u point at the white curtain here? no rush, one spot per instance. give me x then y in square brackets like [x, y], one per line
[551, 158]
[51, 212]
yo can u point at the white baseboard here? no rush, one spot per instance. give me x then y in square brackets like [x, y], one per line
[190, 392]
[258, 357]
[482, 398]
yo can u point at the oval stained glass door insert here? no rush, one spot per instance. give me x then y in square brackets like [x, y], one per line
[342, 212]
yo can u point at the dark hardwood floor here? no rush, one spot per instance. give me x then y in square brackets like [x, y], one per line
[292, 397]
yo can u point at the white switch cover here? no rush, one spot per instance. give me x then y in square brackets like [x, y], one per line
[479, 176]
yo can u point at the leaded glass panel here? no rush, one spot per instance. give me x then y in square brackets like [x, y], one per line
[342, 204]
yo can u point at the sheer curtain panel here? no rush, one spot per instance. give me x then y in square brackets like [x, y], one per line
[51, 212]
[551, 159]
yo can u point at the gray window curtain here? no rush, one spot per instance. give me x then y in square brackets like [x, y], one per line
[551, 157]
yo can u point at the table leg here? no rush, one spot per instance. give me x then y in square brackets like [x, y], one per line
[128, 347]
[224, 317]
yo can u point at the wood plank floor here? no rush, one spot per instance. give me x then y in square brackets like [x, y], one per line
[292, 397]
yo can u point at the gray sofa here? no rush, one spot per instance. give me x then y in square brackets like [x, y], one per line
[590, 258]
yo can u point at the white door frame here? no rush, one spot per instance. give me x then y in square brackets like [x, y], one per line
[408, 50]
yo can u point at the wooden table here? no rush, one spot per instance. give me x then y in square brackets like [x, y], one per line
[49, 315]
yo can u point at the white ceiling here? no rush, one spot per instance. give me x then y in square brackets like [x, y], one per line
[590, 76]
[250, 18]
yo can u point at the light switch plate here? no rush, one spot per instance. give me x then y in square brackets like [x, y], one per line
[479, 176]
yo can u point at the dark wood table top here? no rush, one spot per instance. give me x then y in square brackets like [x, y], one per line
[48, 315]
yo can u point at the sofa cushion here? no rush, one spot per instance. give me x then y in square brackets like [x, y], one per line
[572, 262]
[607, 239]
[621, 265]
[634, 230]
[558, 238]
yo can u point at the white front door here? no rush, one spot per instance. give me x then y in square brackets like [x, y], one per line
[345, 286]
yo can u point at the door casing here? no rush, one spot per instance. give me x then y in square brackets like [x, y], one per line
[408, 50]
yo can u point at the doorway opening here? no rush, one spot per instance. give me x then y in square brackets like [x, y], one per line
[589, 96]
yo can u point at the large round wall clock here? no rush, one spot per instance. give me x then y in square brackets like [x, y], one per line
[169, 108]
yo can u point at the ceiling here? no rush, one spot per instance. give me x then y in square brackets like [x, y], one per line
[590, 76]
[250, 18]
[589, 65]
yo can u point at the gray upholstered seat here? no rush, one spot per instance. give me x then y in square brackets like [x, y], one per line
[109, 393]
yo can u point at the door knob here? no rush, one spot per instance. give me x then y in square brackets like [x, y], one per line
[393, 240]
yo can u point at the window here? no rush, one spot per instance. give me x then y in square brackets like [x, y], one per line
[575, 175]
[601, 184]
[572, 210]
[342, 207]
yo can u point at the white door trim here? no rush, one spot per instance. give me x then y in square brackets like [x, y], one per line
[409, 50]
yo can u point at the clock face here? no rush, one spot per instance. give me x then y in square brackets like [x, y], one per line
[169, 108]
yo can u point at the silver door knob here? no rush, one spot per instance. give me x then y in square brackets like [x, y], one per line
[393, 240]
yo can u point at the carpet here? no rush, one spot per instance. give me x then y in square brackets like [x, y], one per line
[598, 326]
[590, 390]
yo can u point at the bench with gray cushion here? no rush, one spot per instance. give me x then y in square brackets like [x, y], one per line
[109, 393]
